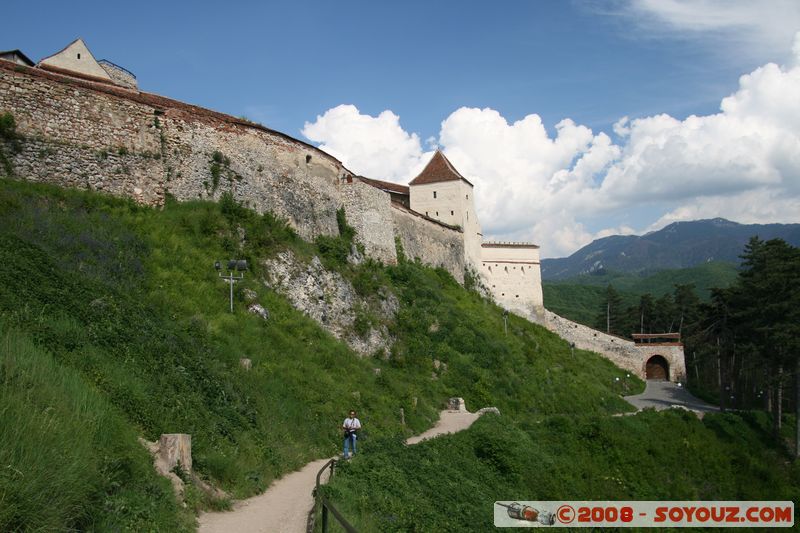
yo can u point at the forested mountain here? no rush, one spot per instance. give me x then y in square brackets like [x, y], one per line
[679, 245]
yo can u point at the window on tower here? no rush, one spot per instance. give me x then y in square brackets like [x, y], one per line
[434, 194]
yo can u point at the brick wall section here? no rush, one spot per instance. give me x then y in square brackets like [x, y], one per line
[431, 243]
[622, 352]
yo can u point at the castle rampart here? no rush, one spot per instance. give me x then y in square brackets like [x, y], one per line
[431, 242]
[622, 352]
[98, 136]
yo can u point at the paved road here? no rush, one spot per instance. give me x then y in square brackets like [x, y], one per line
[664, 395]
[284, 507]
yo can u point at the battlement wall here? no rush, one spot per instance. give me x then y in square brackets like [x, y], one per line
[622, 352]
[434, 244]
[83, 133]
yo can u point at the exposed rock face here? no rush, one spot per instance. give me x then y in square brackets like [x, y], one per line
[332, 301]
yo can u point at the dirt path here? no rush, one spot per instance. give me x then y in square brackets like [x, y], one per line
[285, 505]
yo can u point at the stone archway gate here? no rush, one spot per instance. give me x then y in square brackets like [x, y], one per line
[654, 346]
[631, 356]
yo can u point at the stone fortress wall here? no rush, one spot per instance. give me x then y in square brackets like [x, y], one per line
[512, 272]
[622, 352]
[86, 134]
[433, 244]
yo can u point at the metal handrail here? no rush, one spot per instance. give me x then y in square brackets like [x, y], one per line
[321, 500]
[106, 61]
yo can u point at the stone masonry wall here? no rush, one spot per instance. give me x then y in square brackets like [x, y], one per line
[623, 353]
[368, 209]
[77, 138]
[431, 243]
[263, 171]
[80, 133]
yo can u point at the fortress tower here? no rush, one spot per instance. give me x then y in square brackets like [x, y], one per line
[442, 193]
[511, 271]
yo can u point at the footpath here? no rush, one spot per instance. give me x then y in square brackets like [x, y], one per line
[285, 505]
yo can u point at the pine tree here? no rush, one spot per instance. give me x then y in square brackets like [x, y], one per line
[612, 314]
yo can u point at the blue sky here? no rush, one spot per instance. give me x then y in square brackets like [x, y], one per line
[288, 64]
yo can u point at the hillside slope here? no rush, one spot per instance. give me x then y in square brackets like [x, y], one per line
[450, 483]
[678, 245]
[125, 299]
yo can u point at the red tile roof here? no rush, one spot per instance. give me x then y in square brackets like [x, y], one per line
[385, 185]
[438, 169]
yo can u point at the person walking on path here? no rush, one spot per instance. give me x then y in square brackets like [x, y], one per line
[350, 426]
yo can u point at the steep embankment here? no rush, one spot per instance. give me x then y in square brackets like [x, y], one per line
[450, 483]
[286, 504]
[125, 298]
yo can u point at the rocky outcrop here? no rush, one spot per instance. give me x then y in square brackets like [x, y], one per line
[330, 299]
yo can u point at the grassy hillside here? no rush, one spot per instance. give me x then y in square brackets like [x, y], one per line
[451, 483]
[581, 298]
[124, 303]
[70, 460]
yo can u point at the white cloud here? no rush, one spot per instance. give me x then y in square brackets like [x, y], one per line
[563, 190]
[374, 146]
[759, 28]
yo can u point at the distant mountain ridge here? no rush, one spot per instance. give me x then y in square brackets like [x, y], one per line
[678, 245]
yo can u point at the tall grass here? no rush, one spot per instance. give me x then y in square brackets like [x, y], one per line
[450, 483]
[68, 460]
[126, 296]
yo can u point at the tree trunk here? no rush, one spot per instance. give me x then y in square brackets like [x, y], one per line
[720, 381]
[778, 410]
[608, 317]
[769, 398]
[797, 408]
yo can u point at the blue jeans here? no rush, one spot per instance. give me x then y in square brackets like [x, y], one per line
[348, 441]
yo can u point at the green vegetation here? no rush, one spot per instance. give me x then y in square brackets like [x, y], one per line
[450, 483]
[114, 325]
[745, 344]
[579, 302]
[217, 165]
[70, 460]
[9, 142]
[124, 299]
[580, 298]
[705, 277]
